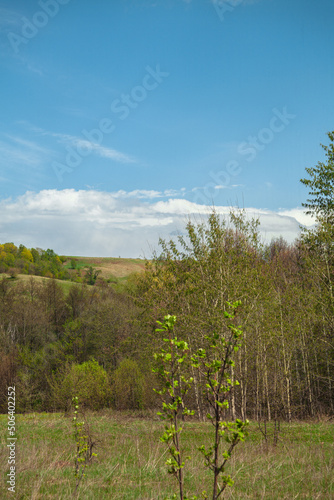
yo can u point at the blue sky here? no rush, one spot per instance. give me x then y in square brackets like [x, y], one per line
[120, 119]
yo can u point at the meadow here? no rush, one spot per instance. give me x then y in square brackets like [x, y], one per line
[109, 267]
[130, 462]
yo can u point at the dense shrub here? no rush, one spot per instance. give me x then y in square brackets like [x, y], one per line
[129, 386]
[88, 381]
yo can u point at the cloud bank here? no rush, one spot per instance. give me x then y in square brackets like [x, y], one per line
[126, 224]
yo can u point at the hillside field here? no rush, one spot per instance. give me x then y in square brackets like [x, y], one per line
[114, 270]
[109, 266]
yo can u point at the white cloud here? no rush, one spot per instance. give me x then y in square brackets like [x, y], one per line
[81, 142]
[94, 147]
[93, 223]
[25, 143]
[22, 152]
[300, 215]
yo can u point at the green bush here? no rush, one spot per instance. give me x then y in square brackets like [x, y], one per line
[88, 381]
[129, 386]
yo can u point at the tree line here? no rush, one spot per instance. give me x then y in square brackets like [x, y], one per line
[34, 261]
[98, 342]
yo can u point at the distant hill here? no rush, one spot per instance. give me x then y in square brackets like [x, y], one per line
[110, 267]
[21, 261]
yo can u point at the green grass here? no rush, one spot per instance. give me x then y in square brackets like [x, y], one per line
[130, 461]
[79, 264]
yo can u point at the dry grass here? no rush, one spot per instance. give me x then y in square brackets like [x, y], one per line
[110, 266]
[66, 285]
[131, 461]
[27, 277]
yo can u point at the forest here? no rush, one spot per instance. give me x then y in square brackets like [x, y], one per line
[96, 340]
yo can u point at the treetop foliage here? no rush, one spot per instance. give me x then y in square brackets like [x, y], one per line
[321, 184]
[285, 365]
[35, 261]
[31, 261]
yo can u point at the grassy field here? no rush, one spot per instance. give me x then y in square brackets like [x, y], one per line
[110, 267]
[130, 461]
[66, 285]
[116, 270]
